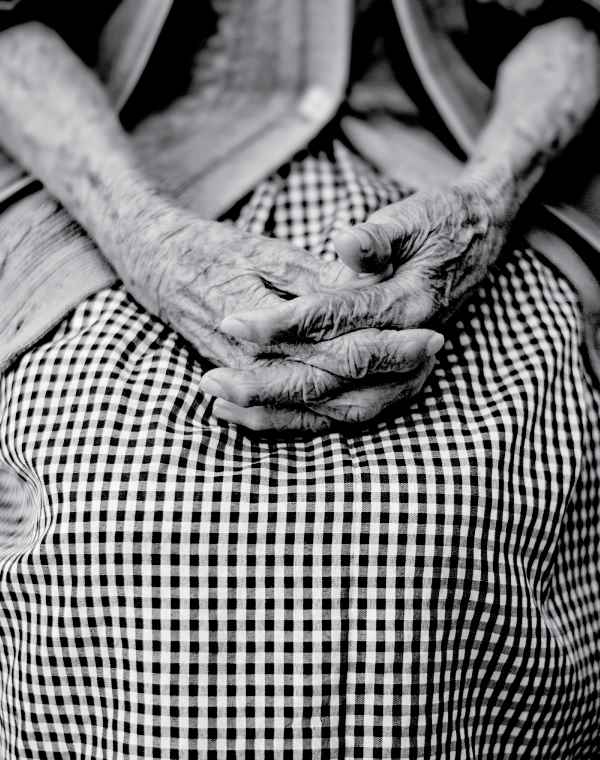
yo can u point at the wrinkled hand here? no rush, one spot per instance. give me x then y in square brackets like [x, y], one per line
[319, 386]
[439, 245]
[193, 274]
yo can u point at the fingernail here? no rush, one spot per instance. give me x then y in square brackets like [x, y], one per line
[237, 328]
[434, 344]
[346, 241]
[388, 272]
[211, 386]
[364, 239]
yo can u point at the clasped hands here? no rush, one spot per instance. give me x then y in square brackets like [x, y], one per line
[302, 345]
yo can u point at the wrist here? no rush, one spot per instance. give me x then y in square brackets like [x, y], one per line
[142, 251]
[157, 242]
[496, 187]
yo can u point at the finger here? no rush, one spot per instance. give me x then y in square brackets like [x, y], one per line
[351, 408]
[262, 418]
[275, 383]
[400, 302]
[335, 274]
[285, 267]
[367, 352]
[366, 247]
[361, 405]
[373, 245]
[317, 372]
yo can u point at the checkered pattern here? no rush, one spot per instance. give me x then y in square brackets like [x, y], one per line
[174, 587]
[316, 196]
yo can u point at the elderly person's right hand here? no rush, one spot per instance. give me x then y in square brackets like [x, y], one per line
[193, 273]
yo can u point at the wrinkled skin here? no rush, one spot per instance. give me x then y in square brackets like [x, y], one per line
[200, 272]
[189, 272]
[436, 246]
[439, 244]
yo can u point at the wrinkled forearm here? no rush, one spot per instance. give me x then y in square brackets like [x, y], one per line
[546, 90]
[58, 123]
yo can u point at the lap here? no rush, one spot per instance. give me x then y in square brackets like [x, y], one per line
[425, 587]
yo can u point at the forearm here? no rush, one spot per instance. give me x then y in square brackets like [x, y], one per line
[546, 90]
[57, 122]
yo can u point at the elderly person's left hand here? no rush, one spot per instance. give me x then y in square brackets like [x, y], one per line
[437, 245]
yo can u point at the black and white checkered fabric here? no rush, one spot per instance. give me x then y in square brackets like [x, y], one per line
[173, 587]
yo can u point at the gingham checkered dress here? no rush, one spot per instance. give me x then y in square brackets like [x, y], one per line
[175, 587]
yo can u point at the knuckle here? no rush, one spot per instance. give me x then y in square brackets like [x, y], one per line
[304, 420]
[374, 305]
[321, 323]
[316, 388]
[328, 318]
[355, 359]
[283, 382]
[397, 352]
[304, 321]
[376, 356]
[305, 385]
[316, 423]
[393, 356]
[350, 413]
[357, 413]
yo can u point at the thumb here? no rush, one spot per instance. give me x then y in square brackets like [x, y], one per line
[368, 247]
